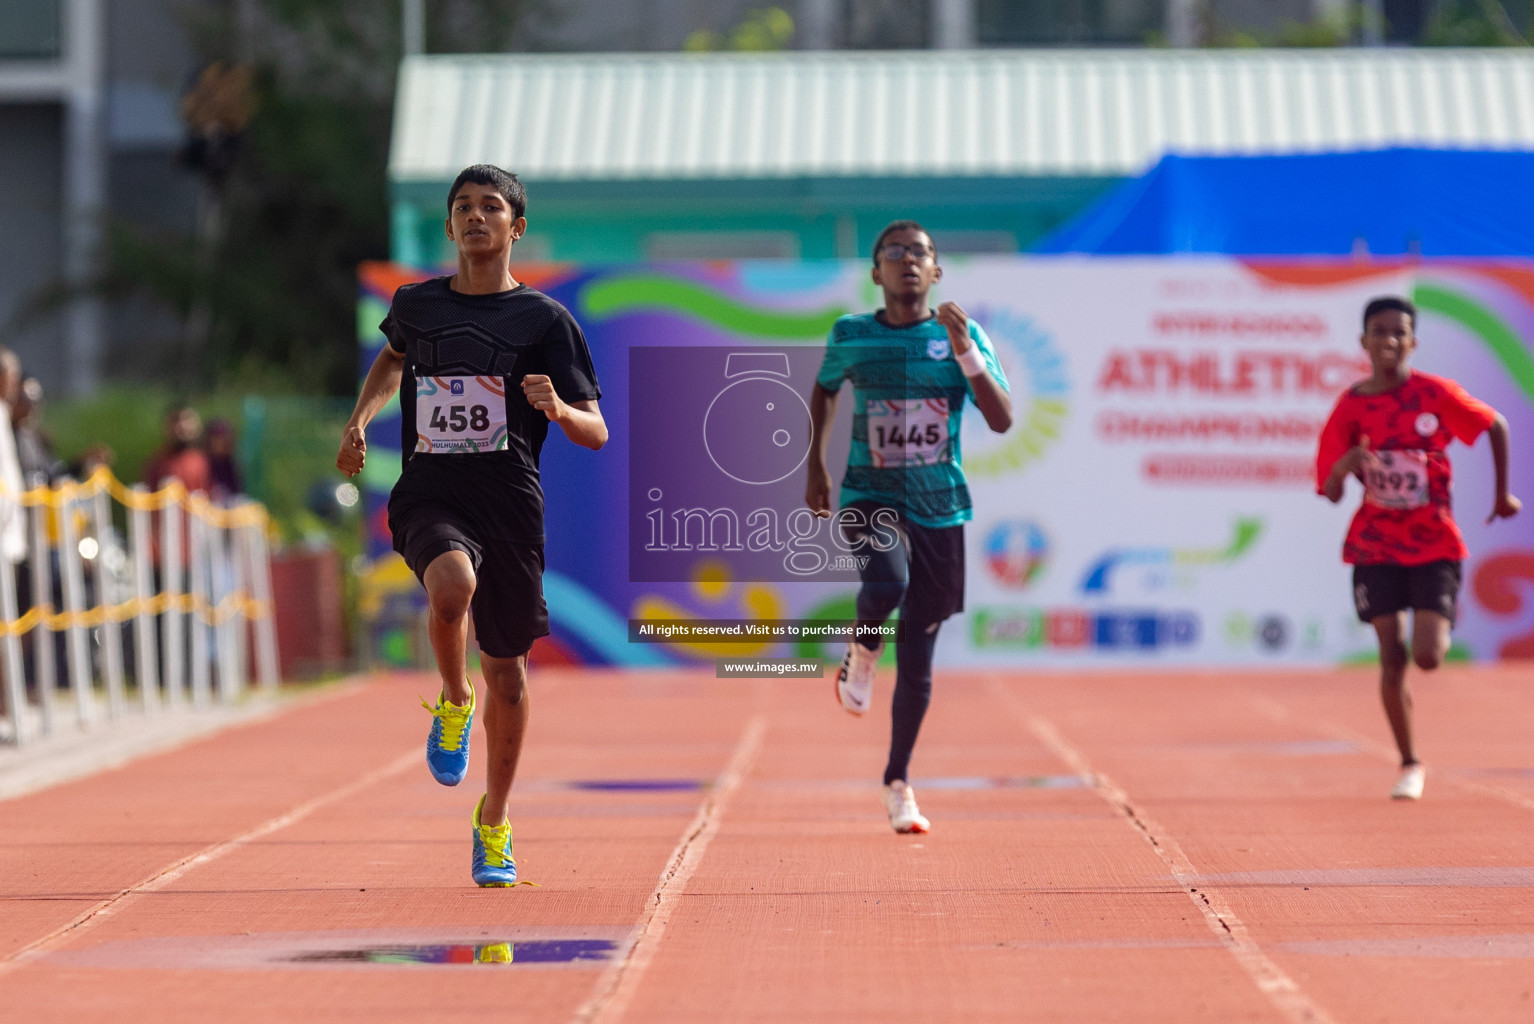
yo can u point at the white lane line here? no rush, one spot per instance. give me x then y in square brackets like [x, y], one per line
[616, 987]
[101, 911]
[1280, 989]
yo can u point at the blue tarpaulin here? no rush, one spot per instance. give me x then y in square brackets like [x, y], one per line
[1387, 202]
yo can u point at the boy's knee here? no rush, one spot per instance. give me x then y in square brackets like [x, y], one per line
[450, 583]
[449, 599]
[1428, 659]
[507, 679]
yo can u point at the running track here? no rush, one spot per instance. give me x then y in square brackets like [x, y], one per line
[1140, 848]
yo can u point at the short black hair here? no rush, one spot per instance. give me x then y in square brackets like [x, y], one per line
[507, 184]
[900, 225]
[1395, 302]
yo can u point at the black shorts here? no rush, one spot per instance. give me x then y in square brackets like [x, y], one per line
[508, 607]
[928, 560]
[1387, 589]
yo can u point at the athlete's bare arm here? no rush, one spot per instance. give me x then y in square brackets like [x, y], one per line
[994, 402]
[1503, 505]
[382, 381]
[1352, 463]
[817, 492]
[581, 421]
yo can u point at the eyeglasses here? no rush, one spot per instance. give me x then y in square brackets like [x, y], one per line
[896, 251]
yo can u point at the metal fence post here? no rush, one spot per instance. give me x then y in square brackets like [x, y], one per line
[15, 680]
[146, 657]
[80, 677]
[239, 580]
[266, 621]
[111, 633]
[173, 586]
[224, 594]
[197, 586]
[43, 664]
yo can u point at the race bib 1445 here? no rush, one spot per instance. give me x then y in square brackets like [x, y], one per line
[908, 432]
[460, 414]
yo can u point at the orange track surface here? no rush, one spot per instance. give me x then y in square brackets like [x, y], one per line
[1110, 847]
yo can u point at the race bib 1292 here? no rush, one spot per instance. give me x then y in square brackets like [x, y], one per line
[1398, 479]
[460, 414]
[908, 432]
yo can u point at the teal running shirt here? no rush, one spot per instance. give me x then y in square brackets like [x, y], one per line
[908, 398]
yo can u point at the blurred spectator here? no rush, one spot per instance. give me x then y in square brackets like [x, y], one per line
[13, 517]
[91, 459]
[39, 466]
[219, 445]
[179, 458]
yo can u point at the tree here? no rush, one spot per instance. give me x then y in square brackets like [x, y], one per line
[294, 197]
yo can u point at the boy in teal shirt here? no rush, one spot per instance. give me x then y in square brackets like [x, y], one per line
[904, 499]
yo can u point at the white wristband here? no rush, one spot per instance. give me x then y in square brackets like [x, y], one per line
[971, 361]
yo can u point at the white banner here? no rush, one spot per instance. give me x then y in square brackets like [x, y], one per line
[1154, 502]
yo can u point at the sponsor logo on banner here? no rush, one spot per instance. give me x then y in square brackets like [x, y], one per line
[1272, 632]
[1016, 551]
[1080, 629]
[1160, 561]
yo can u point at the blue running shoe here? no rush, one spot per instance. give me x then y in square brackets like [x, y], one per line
[493, 866]
[447, 746]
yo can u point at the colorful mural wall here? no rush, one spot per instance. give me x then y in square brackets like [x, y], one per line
[1153, 503]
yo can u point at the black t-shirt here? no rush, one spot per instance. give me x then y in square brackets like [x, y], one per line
[443, 333]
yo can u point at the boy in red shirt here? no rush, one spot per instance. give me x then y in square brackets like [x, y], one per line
[1390, 430]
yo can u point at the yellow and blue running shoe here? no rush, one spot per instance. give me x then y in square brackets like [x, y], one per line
[447, 745]
[493, 865]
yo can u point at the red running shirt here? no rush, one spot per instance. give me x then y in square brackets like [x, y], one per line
[1406, 516]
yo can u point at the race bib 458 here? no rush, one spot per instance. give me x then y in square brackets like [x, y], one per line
[460, 414]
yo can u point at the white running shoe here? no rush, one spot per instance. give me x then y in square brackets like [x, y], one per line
[855, 680]
[1409, 785]
[905, 816]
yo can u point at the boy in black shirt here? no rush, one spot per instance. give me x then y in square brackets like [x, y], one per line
[467, 511]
